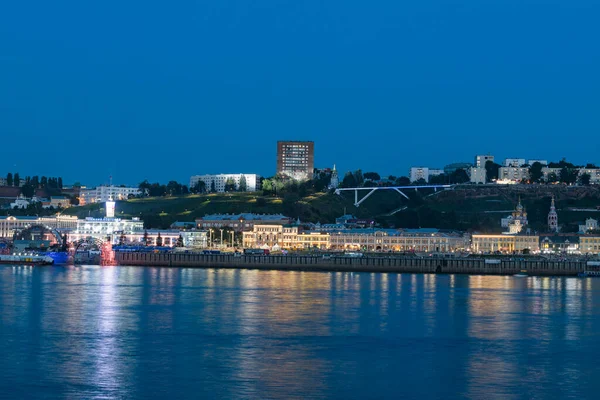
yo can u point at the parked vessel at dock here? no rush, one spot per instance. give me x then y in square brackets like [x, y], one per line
[29, 259]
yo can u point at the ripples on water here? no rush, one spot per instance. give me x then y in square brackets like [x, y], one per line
[125, 332]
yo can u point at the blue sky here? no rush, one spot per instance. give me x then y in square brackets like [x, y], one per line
[163, 90]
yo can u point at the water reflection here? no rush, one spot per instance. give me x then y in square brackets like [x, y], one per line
[151, 332]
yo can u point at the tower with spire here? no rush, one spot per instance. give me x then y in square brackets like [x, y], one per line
[334, 179]
[518, 220]
[552, 218]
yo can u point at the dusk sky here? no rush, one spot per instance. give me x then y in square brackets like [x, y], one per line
[164, 90]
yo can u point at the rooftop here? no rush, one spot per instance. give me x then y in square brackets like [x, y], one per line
[245, 216]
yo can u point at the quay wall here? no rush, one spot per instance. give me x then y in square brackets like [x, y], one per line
[475, 266]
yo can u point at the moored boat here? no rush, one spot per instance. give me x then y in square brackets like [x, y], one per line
[28, 259]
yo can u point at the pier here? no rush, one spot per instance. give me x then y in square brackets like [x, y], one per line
[397, 264]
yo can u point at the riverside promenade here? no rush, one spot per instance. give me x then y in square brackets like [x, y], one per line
[475, 266]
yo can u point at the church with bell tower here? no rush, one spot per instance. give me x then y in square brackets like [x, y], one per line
[552, 218]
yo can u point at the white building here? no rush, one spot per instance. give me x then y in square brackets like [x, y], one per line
[514, 162]
[252, 181]
[482, 159]
[478, 174]
[590, 225]
[547, 171]
[9, 224]
[513, 174]
[594, 174]
[424, 173]
[335, 180]
[101, 194]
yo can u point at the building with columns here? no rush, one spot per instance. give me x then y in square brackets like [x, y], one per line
[10, 224]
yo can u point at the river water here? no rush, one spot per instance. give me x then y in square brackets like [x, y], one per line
[132, 332]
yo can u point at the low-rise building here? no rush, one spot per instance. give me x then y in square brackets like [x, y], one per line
[10, 224]
[594, 174]
[589, 244]
[547, 172]
[252, 181]
[562, 244]
[102, 194]
[57, 202]
[313, 240]
[491, 243]
[240, 222]
[590, 225]
[419, 240]
[269, 235]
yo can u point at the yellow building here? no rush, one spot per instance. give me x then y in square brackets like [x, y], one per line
[269, 235]
[311, 240]
[589, 244]
[504, 243]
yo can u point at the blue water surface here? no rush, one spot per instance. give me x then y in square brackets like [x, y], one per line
[131, 332]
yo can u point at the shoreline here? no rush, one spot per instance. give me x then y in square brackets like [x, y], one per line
[469, 266]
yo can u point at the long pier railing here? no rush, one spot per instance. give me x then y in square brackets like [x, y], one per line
[469, 265]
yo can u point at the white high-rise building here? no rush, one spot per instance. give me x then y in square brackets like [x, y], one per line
[482, 159]
[252, 181]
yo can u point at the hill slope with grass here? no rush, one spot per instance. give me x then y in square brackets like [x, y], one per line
[463, 208]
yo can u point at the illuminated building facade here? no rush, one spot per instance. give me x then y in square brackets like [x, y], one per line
[296, 159]
[504, 243]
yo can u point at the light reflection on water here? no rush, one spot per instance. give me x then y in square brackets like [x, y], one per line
[107, 332]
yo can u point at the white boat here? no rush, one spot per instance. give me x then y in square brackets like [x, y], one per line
[29, 259]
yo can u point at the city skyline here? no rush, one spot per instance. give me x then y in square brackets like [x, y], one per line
[380, 88]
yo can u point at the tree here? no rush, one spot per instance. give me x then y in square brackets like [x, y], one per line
[9, 179]
[35, 182]
[491, 169]
[173, 188]
[146, 239]
[44, 182]
[267, 186]
[535, 172]
[179, 242]
[145, 187]
[568, 175]
[403, 181]
[439, 179]
[213, 188]
[358, 177]
[200, 187]
[184, 189]
[459, 176]
[17, 180]
[552, 177]
[159, 241]
[27, 190]
[374, 176]
[229, 185]
[591, 166]
[243, 185]
[60, 183]
[349, 180]
[584, 179]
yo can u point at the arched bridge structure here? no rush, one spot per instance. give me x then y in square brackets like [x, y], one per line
[399, 189]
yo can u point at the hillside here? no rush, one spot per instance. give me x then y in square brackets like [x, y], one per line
[464, 208]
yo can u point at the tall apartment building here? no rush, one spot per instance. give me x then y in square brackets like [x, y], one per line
[296, 159]
[481, 160]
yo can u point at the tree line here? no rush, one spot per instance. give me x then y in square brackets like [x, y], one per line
[34, 181]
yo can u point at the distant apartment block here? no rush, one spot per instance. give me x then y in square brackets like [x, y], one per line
[594, 174]
[478, 175]
[514, 162]
[482, 159]
[417, 173]
[513, 174]
[102, 194]
[296, 159]
[220, 180]
[240, 222]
